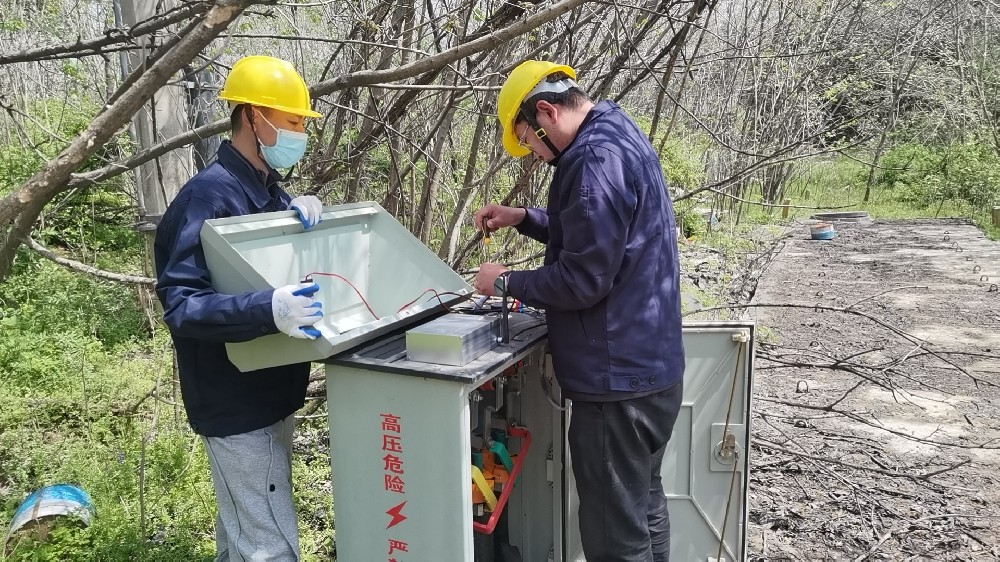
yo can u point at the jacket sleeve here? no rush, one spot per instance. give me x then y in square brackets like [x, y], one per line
[535, 225]
[191, 307]
[595, 221]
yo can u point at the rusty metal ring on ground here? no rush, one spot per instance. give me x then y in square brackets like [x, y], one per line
[993, 288]
[984, 278]
[970, 258]
[947, 238]
[977, 269]
[802, 386]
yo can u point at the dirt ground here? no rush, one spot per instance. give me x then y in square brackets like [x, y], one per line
[876, 436]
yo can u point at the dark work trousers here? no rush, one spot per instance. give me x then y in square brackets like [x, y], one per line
[617, 450]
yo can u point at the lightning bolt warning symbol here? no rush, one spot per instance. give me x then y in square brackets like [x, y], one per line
[396, 512]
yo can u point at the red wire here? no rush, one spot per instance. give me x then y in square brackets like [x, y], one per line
[344, 279]
[436, 294]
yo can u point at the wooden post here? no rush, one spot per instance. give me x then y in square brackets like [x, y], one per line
[996, 217]
[164, 117]
[784, 208]
[158, 181]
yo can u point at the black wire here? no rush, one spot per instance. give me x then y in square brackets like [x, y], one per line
[522, 330]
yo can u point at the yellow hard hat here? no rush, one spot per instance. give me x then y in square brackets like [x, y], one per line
[515, 89]
[268, 82]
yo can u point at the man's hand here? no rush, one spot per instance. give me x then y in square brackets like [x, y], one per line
[488, 273]
[491, 217]
[295, 310]
[310, 210]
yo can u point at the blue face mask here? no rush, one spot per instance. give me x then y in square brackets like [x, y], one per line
[288, 148]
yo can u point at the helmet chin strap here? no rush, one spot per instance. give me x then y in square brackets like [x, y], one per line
[529, 116]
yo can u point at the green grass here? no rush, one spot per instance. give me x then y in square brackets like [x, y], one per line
[839, 184]
[85, 394]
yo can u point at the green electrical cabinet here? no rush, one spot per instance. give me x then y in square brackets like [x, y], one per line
[402, 432]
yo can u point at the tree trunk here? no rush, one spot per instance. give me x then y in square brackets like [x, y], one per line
[163, 117]
[451, 234]
[432, 180]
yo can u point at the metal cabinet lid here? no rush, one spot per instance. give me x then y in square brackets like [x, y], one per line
[358, 252]
[706, 463]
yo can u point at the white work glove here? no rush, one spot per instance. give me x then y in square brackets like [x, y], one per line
[295, 310]
[310, 209]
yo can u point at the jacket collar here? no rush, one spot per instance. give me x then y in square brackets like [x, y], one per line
[257, 185]
[599, 109]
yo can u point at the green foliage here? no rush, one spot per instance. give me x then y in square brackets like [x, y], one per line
[83, 391]
[17, 164]
[765, 334]
[20, 161]
[83, 382]
[172, 469]
[93, 222]
[911, 185]
[680, 155]
[827, 182]
[78, 374]
[72, 69]
[45, 299]
[691, 222]
[681, 162]
[908, 164]
[67, 538]
[12, 25]
[312, 488]
[967, 171]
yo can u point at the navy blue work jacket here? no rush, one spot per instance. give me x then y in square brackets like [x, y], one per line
[610, 280]
[219, 399]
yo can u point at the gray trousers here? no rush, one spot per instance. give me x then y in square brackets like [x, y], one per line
[252, 476]
[617, 450]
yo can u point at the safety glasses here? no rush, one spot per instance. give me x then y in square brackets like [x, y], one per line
[522, 140]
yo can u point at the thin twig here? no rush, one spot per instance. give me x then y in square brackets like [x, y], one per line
[892, 473]
[885, 292]
[910, 523]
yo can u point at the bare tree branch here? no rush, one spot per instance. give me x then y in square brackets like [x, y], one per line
[436, 62]
[26, 202]
[80, 267]
[924, 476]
[112, 36]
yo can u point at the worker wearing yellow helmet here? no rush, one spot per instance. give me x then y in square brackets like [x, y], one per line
[610, 290]
[535, 81]
[268, 90]
[244, 419]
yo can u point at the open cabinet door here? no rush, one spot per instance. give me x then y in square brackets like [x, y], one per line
[705, 464]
